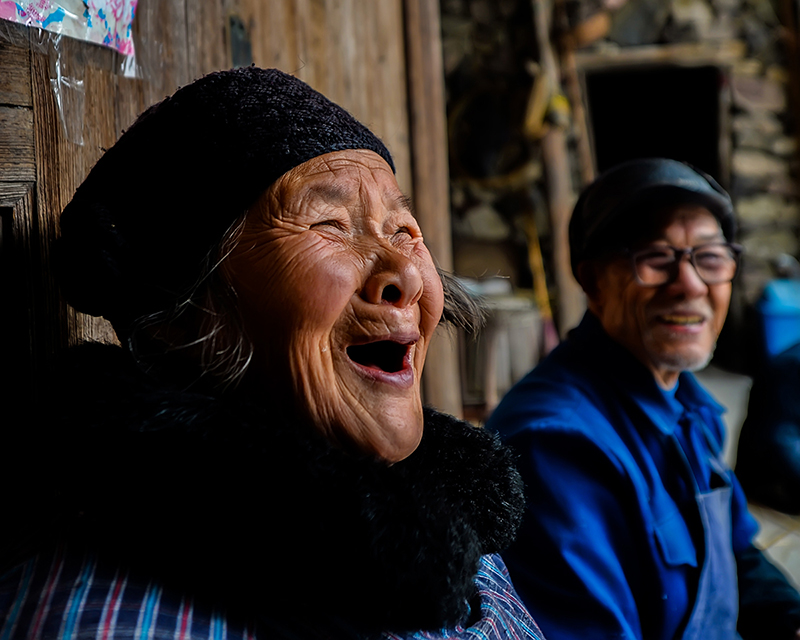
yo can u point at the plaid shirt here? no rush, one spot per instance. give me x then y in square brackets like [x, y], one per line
[63, 597]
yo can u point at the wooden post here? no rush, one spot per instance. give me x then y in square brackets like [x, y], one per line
[426, 106]
[558, 175]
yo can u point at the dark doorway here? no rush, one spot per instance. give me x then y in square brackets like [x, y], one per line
[668, 111]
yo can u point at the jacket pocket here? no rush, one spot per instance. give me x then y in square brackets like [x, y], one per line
[674, 540]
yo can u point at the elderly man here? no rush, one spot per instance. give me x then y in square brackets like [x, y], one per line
[635, 528]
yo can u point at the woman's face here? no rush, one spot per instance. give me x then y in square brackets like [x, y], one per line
[340, 298]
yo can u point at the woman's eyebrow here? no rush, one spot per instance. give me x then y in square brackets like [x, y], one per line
[404, 202]
[339, 194]
[335, 193]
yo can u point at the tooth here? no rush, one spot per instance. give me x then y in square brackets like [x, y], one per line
[683, 319]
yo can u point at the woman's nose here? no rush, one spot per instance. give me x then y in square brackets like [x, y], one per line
[394, 279]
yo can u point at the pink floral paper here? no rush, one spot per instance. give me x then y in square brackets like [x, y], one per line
[106, 22]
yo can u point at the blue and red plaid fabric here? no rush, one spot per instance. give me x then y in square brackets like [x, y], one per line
[63, 597]
[502, 613]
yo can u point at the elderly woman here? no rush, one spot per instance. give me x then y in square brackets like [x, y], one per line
[255, 461]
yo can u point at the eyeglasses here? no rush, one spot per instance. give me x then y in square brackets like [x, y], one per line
[714, 263]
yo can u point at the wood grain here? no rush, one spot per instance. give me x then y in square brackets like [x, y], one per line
[16, 145]
[428, 129]
[352, 51]
[15, 79]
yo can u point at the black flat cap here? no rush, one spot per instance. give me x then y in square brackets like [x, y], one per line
[624, 195]
[136, 235]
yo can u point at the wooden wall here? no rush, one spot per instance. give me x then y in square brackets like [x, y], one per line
[354, 51]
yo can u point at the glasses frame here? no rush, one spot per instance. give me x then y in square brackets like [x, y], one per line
[680, 254]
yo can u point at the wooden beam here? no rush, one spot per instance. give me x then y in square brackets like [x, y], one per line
[429, 162]
[693, 54]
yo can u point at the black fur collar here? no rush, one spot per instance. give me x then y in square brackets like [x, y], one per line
[240, 503]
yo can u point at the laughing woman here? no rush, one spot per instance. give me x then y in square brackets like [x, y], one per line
[255, 460]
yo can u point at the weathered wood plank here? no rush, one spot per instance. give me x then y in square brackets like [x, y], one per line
[10, 192]
[61, 166]
[128, 103]
[350, 50]
[54, 175]
[15, 79]
[16, 145]
[684, 53]
[208, 48]
[273, 35]
[428, 130]
[388, 67]
[428, 127]
[160, 33]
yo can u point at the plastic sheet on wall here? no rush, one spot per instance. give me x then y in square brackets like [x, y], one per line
[107, 23]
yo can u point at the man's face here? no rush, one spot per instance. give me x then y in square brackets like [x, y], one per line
[340, 298]
[673, 327]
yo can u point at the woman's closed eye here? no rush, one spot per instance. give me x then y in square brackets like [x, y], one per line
[335, 224]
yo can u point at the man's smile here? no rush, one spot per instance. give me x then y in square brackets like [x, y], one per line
[681, 319]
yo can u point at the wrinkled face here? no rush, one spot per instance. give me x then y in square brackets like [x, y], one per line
[340, 298]
[673, 327]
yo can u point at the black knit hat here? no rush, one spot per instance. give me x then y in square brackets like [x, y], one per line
[139, 229]
[617, 204]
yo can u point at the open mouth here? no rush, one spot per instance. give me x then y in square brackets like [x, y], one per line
[383, 355]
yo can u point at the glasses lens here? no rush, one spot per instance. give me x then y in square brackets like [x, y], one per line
[715, 263]
[654, 266]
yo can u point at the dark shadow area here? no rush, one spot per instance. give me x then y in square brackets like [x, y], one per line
[667, 111]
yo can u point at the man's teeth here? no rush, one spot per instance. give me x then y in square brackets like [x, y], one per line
[683, 319]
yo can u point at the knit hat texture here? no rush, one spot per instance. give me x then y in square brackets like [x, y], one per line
[139, 229]
[620, 200]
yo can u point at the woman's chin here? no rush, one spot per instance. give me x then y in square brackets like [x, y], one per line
[401, 448]
[390, 433]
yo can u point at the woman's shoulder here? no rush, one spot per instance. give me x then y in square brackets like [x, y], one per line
[498, 610]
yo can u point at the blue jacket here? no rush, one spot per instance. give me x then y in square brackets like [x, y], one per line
[611, 546]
